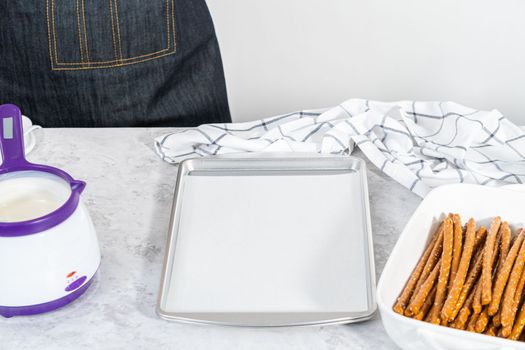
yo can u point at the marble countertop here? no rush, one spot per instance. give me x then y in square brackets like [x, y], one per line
[129, 196]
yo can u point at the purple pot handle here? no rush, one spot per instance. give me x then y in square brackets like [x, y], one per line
[11, 137]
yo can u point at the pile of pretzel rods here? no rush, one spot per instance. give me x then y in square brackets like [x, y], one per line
[470, 278]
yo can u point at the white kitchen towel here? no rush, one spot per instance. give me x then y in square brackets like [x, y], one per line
[419, 144]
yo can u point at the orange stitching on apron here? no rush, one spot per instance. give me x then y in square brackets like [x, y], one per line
[49, 35]
[173, 25]
[85, 32]
[117, 62]
[118, 30]
[113, 30]
[54, 31]
[117, 65]
[79, 34]
[168, 23]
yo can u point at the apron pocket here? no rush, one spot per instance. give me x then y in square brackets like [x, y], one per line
[91, 34]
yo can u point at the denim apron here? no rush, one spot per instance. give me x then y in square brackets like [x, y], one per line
[105, 63]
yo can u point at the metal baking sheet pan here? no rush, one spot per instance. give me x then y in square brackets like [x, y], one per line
[269, 241]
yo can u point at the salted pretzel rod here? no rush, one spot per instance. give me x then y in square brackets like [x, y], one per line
[409, 289]
[506, 330]
[465, 312]
[506, 236]
[435, 254]
[470, 282]
[499, 333]
[458, 243]
[505, 246]
[428, 317]
[519, 290]
[476, 303]
[416, 304]
[482, 321]
[461, 321]
[506, 241]
[508, 309]
[481, 235]
[491, 330]
[429, 302]
[444, 271]
[519, 324]
[496, 319]
[471, 325]
[488, 259]
[457, 285]
[503, 275]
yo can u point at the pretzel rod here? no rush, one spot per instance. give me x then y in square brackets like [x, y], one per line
[495, 261]
[469, 287]
[458, 243]
[461, 321]
[519, 324]
[506, 241]
[430, 265]
[482, 321]
[503, 275]
[444, 271]
[488, 259]
[409, 289]
[508, 309]
[424, 291]
[480, 235]
[426, 306]
[465, 312]
[476, 303]
[471, 325]
[435, 254]
[491, 330]
[500, 333]
[506, 236]
[496, 319]
[519, 290]
[506, 331]
[461, 274]
[469, 284]
[428, 317]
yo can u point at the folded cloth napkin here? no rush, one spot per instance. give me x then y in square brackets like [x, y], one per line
[419, 144]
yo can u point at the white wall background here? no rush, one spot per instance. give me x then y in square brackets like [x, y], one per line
[284, 55]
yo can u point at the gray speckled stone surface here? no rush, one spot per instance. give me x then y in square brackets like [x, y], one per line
[129, 196]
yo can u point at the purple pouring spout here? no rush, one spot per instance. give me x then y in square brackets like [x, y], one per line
[13, 155]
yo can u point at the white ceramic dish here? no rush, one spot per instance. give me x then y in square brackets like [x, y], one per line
[479, 202]
[516, 187]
